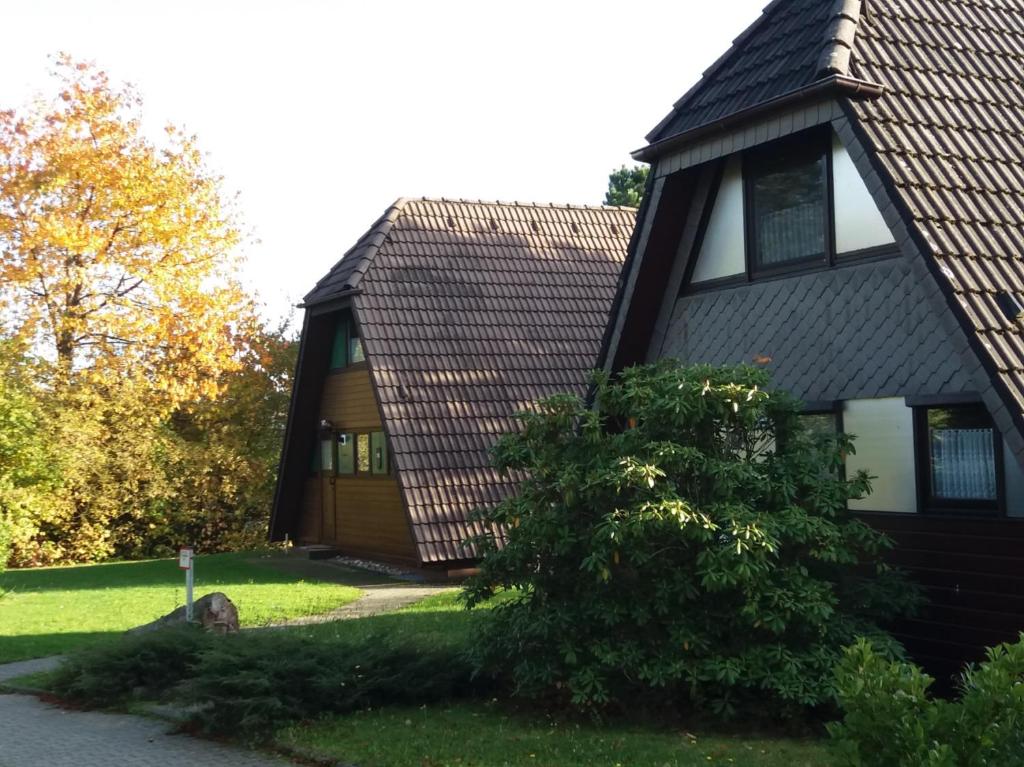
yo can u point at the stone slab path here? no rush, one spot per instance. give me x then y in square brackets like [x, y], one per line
[36, 734]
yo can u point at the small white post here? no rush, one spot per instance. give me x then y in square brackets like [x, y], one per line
[185, 562]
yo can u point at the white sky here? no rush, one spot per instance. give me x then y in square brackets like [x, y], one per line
[322, 113]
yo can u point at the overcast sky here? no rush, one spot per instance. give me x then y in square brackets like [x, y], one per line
[320, 114]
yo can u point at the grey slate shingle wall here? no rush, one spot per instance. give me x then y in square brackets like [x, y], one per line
[853, 332]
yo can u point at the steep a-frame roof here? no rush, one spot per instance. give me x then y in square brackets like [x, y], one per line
[942, 125]
[469, 312]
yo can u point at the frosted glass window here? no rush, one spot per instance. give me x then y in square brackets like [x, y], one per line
[722, 250]
[859, 224]
[884, 429]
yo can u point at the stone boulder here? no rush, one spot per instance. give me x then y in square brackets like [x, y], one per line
[214, 612]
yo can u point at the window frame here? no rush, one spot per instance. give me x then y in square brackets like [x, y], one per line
[819, 136]
[927, 503]
[348, 329]
[335, 470]
[815, 142]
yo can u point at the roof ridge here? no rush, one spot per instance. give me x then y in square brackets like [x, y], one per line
[839, 38]
[518, 204]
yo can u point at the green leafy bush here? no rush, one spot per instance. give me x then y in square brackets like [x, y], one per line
[889, 718]
[685, 540]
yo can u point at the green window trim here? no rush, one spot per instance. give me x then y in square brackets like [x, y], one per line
[378, 454]
[352, 454]
[346, 453]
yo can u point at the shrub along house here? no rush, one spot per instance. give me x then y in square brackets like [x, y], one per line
[417, 348]
[840, 198]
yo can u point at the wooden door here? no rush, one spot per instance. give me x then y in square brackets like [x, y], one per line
[328, 510]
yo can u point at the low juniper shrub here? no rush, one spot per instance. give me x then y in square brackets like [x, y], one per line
[136, 666]
[890, 719]
[684, 542]
[247, 684]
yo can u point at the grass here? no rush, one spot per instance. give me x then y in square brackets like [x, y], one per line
[52, 610]
[490, 735]
[485, 735]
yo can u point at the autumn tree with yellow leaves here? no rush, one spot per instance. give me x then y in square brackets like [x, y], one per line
[118, 254]
[119, 272]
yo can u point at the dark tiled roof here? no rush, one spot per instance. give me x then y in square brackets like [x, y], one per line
[470, 311]
[793, 44]
[345, 275]
[949, 134]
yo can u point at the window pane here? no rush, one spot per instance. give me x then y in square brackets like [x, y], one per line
[789, 197]
[327, 455]
[355, 348]
[346, 453]
[820, 424]
[363, 453]
[379, 453]
[961, 448]
[339, 346]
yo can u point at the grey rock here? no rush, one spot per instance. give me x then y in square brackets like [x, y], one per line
[214, 612]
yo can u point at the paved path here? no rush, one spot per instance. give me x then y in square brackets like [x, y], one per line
[23, 667]
[35, 734]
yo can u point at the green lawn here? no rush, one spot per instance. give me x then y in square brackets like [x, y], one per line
[52, 610]
[484, 735]
[489, 735]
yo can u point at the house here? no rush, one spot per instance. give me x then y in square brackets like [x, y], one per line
[418, 347]
[841, 196]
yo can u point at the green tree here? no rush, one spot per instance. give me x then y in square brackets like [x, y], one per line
[685, 539]
[29, 474]
[626, 186]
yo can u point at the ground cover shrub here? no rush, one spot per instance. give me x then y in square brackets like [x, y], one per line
[248, 684]
[889, 717]
[135, 667]
[684, 541]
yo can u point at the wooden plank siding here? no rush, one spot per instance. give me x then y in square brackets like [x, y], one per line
[367, 517]
[972, 573]
[348, 400]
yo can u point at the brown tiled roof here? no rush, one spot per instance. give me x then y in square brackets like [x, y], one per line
[792, 45]
[470, 311]
[949, 134]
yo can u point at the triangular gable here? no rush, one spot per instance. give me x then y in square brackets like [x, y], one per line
[940, 134]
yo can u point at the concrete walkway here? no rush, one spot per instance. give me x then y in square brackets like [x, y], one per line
[36, 734]
[23, 667]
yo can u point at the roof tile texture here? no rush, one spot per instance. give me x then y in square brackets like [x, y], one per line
[470, 312]
[949, 131]
[791, 45]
